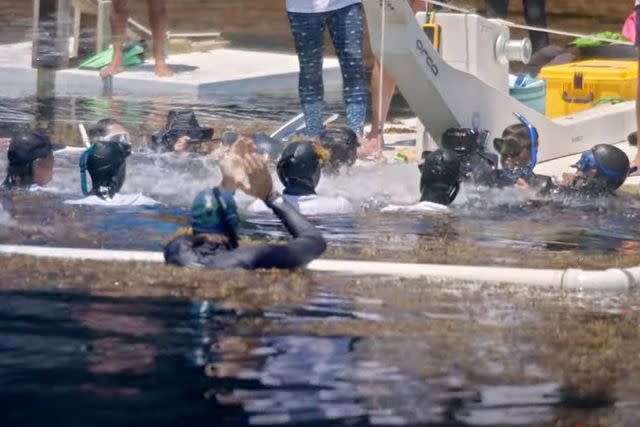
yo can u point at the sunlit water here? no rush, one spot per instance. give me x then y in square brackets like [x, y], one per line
[337, 356]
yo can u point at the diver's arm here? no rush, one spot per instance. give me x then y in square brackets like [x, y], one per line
[294, 222]
[180, 252]
[307, 244]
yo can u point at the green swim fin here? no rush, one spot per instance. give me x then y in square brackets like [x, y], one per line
[132, 55]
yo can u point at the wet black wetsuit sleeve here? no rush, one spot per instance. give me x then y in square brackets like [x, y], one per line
[307, 245]
[180, 252]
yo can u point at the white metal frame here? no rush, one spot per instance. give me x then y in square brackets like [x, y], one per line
[443, 96]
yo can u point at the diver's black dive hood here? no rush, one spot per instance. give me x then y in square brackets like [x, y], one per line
[299, 169]
[342, 144]
[613, 165]
[106, 163]
[439, 180]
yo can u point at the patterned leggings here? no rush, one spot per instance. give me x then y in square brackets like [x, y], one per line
[346, 30]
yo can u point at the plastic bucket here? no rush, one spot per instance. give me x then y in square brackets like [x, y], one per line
[531, 92]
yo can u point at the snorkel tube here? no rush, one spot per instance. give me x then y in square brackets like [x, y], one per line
[83, 169]
[533, 138]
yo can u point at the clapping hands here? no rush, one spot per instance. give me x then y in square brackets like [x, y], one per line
[243, 169]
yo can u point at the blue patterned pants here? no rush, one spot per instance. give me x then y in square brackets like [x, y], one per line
[346, 29]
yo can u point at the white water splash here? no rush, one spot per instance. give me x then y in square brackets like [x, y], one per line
[5, 217]
[175, 180]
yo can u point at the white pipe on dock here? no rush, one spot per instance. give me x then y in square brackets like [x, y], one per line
[612, 280]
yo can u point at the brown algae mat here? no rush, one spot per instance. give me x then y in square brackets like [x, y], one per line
[489, 335]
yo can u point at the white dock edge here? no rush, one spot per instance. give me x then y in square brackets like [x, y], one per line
[613, 280]
[220, 72]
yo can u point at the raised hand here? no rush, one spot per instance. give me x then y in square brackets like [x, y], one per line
[244, 145]
[233, 172]
[260, 183]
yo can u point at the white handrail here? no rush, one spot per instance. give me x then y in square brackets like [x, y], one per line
[530, 28]
[611, 280]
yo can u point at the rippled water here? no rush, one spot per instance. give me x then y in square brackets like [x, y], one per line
[335, 355]
[88, 344]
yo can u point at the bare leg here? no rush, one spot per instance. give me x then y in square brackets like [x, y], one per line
[373, 141]
[119, 17]
[372, 144]
[159, 23]
[636, 160]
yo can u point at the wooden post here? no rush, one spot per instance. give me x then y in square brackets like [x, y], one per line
[103, 29]
[51, 31]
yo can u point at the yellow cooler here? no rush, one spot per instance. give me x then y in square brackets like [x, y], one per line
[577, 86]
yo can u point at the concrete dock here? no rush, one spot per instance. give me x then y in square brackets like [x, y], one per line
[220, 72]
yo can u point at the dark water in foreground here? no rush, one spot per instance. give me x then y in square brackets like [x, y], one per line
[76, 359]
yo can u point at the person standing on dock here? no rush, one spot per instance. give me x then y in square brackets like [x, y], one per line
[344, 20]
[158, 20]
[534, 13]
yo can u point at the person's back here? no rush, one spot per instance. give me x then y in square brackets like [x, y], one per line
[213, 242]
[440, 175]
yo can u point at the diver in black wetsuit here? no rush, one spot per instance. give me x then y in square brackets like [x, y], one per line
[213, 242]
[182, 133]
[476, 164]
[439, 177]
[342, 146]
[600, 172]
[518, 149]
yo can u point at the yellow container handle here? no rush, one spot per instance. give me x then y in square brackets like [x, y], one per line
[577, 100]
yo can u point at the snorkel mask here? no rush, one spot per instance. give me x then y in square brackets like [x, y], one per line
[511, 176]
[110, 152]
[588, 162]
[611, 166]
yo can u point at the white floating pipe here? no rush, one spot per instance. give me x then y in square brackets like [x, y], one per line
[613, 280]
